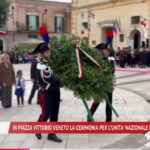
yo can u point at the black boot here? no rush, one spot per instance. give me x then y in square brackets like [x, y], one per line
[29, 102]
[108, 120]
[38, 102]
[38, 136]
[54, 138]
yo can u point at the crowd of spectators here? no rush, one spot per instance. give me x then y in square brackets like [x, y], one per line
[16, 57]
[132, 57]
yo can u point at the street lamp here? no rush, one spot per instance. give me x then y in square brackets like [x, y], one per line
[45, 12]
[90, 15]
[12, 7]
[82, 15]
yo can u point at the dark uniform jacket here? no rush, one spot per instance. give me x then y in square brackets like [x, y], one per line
[111, 61]
[45, 78]
[33, 69]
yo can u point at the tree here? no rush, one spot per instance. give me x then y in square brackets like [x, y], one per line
[4, 4]
[24, 49]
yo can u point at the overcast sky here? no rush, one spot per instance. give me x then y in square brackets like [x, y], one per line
[60, 0]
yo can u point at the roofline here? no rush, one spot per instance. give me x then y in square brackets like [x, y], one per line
[42, 1]
[103, 3]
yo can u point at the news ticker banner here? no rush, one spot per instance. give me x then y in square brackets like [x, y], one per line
[70, 149]
[74, 127]
[13, 149]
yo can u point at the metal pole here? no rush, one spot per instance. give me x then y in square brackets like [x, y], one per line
[42, 19]
[43, 14]
[88, 111]
[13, 22]
[112, 108]
[88, 27]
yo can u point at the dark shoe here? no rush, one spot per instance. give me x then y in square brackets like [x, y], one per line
[54, 138]
[7, 106]
[29, 102]
[38, 102]
[38, 136]
[108, 120]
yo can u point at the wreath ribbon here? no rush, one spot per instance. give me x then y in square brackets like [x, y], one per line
[78, 49]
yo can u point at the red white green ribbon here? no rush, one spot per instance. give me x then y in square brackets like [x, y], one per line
[77, 51]
[91, 58]
[78, 60]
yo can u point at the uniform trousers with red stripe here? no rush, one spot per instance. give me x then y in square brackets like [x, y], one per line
[49, 102]
[108, 109]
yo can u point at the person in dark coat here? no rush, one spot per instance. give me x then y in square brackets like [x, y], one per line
[142, 55]
[129, 58]
[7, 80]
[123, 58]
[33, 76]
[50, 91]
[108, 56]
[148, 57]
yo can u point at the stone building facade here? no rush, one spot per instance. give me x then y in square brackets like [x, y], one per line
[25, 16]
[99, 17]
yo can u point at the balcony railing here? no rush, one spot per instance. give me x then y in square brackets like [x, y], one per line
[26, 29]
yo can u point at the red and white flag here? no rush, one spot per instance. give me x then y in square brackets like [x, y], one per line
[2, 32]
[82, 29]
[143, 22]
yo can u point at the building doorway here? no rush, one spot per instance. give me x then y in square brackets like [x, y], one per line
[1, 46]
[105, 30]
[135, 36]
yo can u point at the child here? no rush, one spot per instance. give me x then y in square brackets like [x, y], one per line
[20, 87]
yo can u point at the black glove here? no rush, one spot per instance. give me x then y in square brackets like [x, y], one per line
[54, 81]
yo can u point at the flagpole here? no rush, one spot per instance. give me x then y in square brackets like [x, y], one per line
[116, 41]
[115, 34]
[13, 32]
[88, 27]
[90, 14]
[116, 30]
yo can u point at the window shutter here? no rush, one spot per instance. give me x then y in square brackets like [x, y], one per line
[55, 24]
[27, 22]
[37, 22]
[63, 25]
